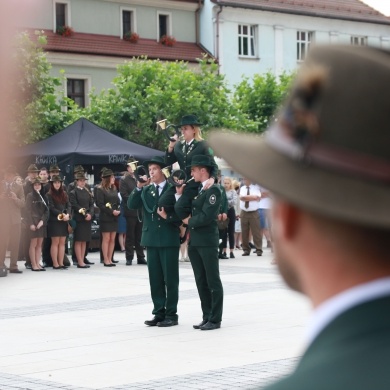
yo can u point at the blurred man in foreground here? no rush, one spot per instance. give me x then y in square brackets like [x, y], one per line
[327, 162]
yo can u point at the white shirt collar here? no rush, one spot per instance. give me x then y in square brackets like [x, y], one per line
[190, 142]
[333, 307]
[161, 185]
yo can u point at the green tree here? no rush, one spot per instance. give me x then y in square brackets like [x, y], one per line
[258, 99]
[38, 108]
[150, 90]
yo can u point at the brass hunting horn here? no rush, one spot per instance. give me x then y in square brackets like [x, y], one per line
[163, 126]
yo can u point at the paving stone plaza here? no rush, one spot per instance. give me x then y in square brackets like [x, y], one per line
[82, 329]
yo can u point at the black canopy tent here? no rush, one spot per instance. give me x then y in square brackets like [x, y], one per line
[83, 143]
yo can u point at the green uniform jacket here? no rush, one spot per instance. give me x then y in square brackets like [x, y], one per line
[156, 231]
[203, 222]
[185, 158]
[352, 352]
[223, 209]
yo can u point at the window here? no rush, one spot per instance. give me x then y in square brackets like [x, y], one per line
[75, 90]
[128, 21]
[246, 40]
[61, 15]
[164, 24]
[359, 41]
[304, 39]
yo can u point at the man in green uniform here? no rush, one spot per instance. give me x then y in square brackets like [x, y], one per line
[326, 160]
[160, 236]
[203, 245]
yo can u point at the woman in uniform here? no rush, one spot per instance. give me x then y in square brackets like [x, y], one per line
[37, 213]
[109, 205]
[81, 201]
[57, 228]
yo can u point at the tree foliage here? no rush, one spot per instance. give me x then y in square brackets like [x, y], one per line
[38, 108]
[144, 91]
[150, 90]
[258, 99]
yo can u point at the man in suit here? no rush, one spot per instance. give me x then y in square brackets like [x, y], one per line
[11, 204]
[203, 245]
[183, 152]
[327, 162]
[133, 217]
[160, 235]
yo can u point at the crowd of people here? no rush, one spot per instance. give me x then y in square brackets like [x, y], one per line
[196, 217]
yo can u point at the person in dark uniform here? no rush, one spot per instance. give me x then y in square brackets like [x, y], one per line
[57, 228]
[183, 152]
[12, 202]
[108, 202]
[37, 214]
[32, 174]
[79, 169]
[81, 201]
[160, 235]
[133, 218]
[203, 244]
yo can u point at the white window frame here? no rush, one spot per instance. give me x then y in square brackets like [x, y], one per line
[304, 43]
[169, 14]
[133, 19]
[87, 84]
[68, 21]
[358, 40]
[252, 40]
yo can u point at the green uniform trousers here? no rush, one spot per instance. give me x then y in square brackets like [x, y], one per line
[163, 267]
[205, 263]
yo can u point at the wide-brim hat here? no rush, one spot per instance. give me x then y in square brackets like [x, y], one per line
[78, 168]
[188, 120]
[37, 180]
[155, 160]
[56, 178]
[328, 151]
[80, 176]
[201, 161]
[54, 168]
[32, 168]
[107, 173]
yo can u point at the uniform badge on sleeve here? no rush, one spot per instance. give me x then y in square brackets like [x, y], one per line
[212, 199]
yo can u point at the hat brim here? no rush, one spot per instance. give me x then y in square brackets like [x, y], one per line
[148, 162]
[319, 190]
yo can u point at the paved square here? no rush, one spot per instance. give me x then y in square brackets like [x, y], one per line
[83, 329]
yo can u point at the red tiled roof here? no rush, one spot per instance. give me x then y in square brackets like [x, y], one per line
[336, 9]
[108, 45]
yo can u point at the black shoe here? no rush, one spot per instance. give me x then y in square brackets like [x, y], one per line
[64, 267]
[34, 270]
[167, 322]
[210, 326]
[232, 255]
[86, 261]
[259, 252]
[59, 267]
[153, 322]
[28, 265]
[15, 271]
[204, 322]
[115, 261]
[141, 261]
[129, 262]
[224, 256]
[246, 254]
[82, 266]
[42, 269]
[110, 265]
[251, 246]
